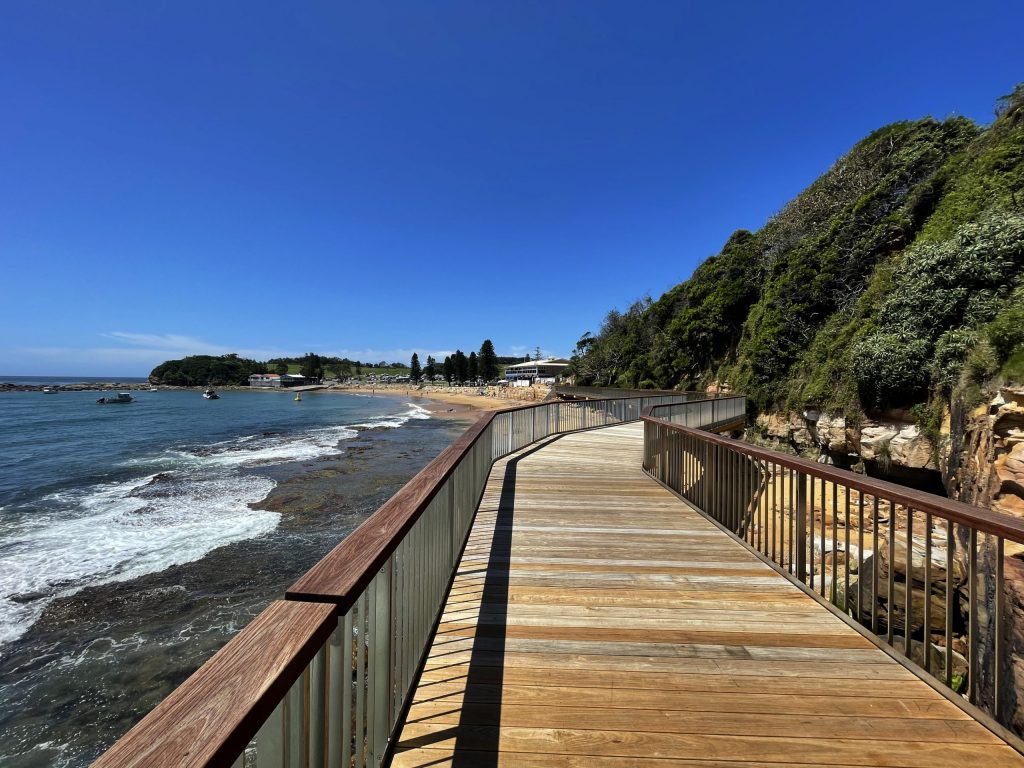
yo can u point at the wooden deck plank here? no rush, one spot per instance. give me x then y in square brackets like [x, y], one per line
[596, 620]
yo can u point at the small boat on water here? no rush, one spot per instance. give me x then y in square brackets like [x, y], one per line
[120, 397]
[211, 395]
[50, 390]
[298, 397]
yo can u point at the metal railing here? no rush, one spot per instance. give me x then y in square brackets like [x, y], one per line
[330, 690]
[923, 573]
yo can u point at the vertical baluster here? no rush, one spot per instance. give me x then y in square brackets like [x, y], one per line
[950, 549]
[972, 631]
[348, 733]
[270, 742]
[835, 541]
[927, 592]
[296, 737]
[891, 586]
[860, 556]
[360, 713]
[382, 658]
[317, 708]
[821, 558]
[336, 681]
[775, 527]
[787, 503]
[999, 647]
[910, 584]
[802, 539]
[846, 549]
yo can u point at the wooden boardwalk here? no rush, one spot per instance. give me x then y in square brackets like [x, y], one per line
[596, 620]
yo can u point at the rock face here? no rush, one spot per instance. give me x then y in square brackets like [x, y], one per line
[891, 441]
[985, 467]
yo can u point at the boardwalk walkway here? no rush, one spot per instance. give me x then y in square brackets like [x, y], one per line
[596, 620]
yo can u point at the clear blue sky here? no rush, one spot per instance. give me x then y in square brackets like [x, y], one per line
[375, 178]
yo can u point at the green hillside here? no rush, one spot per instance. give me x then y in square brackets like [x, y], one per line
[894, 279]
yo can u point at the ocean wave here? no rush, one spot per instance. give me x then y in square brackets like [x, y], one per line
[191, 501]
[393, 422]
[121, 531]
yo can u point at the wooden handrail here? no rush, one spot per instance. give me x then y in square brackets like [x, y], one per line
[979, 518]
[210, 718]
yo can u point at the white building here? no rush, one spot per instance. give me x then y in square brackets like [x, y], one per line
[264, 380]
[532, 370]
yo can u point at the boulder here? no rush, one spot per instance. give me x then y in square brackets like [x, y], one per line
[832, 434]
[1009, 469]
[1009, 420]
[938, 657]
[874, 441]
[909, 448]
[917, 561]
[899, 613]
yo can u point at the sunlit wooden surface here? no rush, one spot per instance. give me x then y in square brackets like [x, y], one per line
[596, 620]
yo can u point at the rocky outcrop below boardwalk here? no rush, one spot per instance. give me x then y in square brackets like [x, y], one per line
[832, 438]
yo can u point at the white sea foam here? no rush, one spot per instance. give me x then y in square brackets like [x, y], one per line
[393, 422]
[120, 531]
[192, 502]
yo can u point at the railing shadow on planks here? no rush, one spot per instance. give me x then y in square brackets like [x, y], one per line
[922, 573]
[322, 678]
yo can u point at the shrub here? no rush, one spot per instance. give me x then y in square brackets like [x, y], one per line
[890, 368]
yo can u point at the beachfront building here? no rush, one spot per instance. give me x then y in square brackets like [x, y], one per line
[537, 370]
[264, 380]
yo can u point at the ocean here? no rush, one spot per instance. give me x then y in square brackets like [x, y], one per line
[136, 539]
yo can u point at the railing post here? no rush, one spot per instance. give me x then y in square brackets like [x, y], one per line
[801, 526]
[381, 664]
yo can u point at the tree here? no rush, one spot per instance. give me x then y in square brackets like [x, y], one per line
[359, 369]
[536, 353]
[461, 366]
[281, 368]
[430, 369]
[487, 361]
[473, 369]
[312, 366]
[415, 372]
[449, 369]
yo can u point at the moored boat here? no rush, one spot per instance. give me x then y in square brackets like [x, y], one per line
[50, 390]
[211, 395]
[120, 397]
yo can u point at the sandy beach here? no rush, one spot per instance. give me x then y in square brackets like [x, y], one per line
[464, 403]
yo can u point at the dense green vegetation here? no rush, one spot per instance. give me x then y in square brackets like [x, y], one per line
[894, 279]
[203, 370]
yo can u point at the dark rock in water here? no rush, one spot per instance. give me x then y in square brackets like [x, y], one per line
[27, 597]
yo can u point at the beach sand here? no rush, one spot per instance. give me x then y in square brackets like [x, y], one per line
[463, 403]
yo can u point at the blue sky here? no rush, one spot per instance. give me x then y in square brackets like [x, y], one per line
[375, 178]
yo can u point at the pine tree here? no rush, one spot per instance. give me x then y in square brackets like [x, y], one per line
[415, 372]
[473, 369]
[449, 369]
[488, 361]
[430, 369]
[461, 366]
